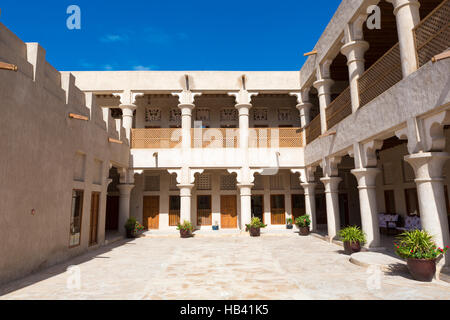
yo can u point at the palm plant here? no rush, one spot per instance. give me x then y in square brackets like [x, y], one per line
[352, 234]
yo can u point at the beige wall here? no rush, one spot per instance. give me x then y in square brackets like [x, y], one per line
[38, 160]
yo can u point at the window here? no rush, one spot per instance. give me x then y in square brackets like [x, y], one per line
[228, 182]
[203, 182]
[412, 202]
[152, 114]
[75, 218]
[389, 201]
[151, 183]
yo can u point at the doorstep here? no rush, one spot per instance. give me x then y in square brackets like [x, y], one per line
[378, 260]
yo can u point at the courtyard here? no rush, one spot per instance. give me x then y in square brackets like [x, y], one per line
[229, 266]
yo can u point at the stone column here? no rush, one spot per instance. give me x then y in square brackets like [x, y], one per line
[368, 204]
[310, 202]
[305, 116]
[186, 104]
[186, 124]
[430, 190]
[323, 86]
[124, 204]
[246, 204]
[127, 118]
[408, 17]
[354, 51]
[244, 111]
[332, 200]
[185, 201]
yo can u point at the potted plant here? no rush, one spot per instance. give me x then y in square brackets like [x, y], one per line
[303, 224]
[132, 227]
[215, 226]
[185, 229]
[289, 223]
[353, 238]
[255, 227]
[420, 252]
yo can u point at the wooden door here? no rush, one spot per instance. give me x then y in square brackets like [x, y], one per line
[204, 212]
[112, 213]
[228, 212]
[298, 206]
[95, 205]
[151, 212]
[277, 209]
[174, 210]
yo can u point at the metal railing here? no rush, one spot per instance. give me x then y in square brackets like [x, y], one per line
[381, 76]
[313, 130]
[432, 34]
[339, 109]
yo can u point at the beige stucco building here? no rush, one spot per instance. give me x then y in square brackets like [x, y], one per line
[360, 130]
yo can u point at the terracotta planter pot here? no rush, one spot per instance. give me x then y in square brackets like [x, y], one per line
[185, 233]
[130, 233]
[255, 232]
[351, 247]
[422, 269]
[303, 231]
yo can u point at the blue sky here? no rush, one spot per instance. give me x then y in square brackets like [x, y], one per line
[172, 35]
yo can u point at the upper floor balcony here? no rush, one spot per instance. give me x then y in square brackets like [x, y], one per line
[384, 62]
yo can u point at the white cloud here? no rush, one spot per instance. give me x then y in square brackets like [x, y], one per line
[113, 38]
[142, 68]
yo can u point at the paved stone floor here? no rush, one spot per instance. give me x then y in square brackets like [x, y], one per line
[283, 266]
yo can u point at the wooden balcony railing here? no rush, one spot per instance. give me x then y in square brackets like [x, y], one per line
[339, 109]
[381, 76]
[164, 138]
[276, 138]
[432, 34]
[215, 138]
[313, 130]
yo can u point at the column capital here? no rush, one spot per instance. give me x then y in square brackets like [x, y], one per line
[331, 184]
[125, 189]
[323, 86]
[398, 4]
[245, 189]
[355, 50]
[127, 97]
[309, 187]
[304, 106]
[186, 97]
[185, 189]
[428, 165]
[127, 109]
[366, 177]
[243, 97]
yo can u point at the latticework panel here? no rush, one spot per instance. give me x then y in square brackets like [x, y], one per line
[339, 109]
[215, 138]
[276, 138]
[381, 76]
[432, 35]
[164, 138]
[313, 129]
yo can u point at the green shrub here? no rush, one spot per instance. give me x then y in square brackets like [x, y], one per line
[417, 244]
[256, 223]
[185, 226]
[352, 234]
[289, 221]
[303, 221]
[130, 224]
